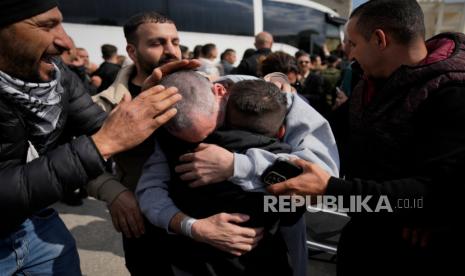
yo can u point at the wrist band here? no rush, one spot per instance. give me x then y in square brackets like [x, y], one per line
[186, 226]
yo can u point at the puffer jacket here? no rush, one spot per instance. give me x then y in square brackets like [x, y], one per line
[64, 163]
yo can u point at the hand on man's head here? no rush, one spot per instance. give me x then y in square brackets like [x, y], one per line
[168, 68]
[133, 121]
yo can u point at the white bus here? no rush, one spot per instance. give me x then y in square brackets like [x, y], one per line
[295, 24]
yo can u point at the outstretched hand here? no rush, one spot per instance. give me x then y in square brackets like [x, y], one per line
[133, 121]
[313, 181]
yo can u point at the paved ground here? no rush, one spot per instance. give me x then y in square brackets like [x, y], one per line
[100, 246]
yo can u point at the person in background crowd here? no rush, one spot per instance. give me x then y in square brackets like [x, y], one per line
[185, 53]
[304, 64]
[84, 55]
[250, 66]
[108, 70]
[284, 63]
[228, 58]
[207, 61]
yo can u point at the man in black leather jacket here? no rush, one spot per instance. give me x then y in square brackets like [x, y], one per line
[53, 138]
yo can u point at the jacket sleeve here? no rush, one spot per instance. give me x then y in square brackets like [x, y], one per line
[26, 188]
[439, 148]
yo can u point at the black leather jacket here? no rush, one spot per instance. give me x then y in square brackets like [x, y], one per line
[64, 163]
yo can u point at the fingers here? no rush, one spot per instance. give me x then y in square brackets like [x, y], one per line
[299, 162]
[151, 91]
[159, 96]
[163, 118]
[184, 167]
[188, 176]
[114, 220]
[188, 157]
[279, 188]
[202, 146]
[197, 183]
[123, 225]
[235, 217]
[132, 225]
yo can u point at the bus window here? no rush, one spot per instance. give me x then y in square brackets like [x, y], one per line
[213, 16]
[299, 26]
[107, 12]
[203, 16]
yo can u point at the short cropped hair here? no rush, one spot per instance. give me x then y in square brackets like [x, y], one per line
[207, 49]
[130, 27]
[108, 51]
[197, 98]
[226, 52]
[279, 62]
[403, 19]
[256, 106]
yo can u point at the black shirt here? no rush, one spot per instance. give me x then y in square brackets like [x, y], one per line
[107, 72]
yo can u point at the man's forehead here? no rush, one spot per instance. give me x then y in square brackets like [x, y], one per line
[50, 15]
[167, 30]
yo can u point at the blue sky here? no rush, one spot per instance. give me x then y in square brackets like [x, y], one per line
[356, 3]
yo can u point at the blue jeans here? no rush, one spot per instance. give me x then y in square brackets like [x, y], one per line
[41, 246]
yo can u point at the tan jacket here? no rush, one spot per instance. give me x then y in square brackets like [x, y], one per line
[107, 187]
[110, 97]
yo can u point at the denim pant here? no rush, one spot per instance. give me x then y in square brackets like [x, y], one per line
[41, 246]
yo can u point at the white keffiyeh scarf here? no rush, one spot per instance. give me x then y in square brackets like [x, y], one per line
[42, 101]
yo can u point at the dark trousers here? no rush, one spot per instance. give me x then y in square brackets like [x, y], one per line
[295, 237]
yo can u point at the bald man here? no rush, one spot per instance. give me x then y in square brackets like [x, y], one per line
[249, 66]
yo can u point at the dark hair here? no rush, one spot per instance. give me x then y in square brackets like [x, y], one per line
[279, 62]
[207, 49]
[183, 48]
[226, 52]
[314, 57]
[130, 27]
[257, 106]
[301, 53]
[403, 19]
[108, 51]
[197, 52]
[248, 52]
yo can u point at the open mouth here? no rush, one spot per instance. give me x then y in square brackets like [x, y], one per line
[46, 59]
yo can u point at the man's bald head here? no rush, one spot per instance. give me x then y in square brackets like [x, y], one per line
[263, 40]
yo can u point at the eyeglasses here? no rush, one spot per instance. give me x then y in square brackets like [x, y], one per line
[304, 62]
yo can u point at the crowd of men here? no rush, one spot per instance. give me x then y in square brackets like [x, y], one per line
[178, 155]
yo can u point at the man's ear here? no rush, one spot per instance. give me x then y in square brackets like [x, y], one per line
[281, 132]
[131, 50]
[380, 38]
[219, 90]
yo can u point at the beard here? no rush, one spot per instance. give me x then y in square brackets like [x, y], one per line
[148, 66]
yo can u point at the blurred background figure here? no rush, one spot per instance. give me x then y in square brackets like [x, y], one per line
[108, 70]
[303, 62]
[228, 58]
[207, 60]
[197, 52]
[284, 63]
[84, 55]
[185, 53]
[249, 66]
[76, 63]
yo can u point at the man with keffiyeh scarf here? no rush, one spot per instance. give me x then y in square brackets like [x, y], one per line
[53, 138]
